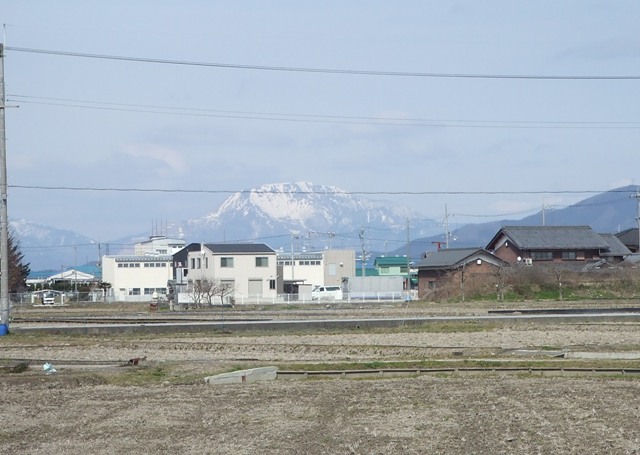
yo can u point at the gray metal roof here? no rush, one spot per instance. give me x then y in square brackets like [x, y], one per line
[238, 248]
[149, 258]
[554, 237]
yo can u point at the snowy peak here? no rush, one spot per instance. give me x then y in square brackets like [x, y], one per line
[278, 209]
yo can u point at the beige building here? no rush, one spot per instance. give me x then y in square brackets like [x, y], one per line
[322, 268]
[249, 270]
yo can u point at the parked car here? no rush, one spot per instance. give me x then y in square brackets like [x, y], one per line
[326, 293]
[48, 298]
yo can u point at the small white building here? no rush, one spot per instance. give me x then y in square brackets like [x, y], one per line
[321, 268]
[137, 277]
[159, 244]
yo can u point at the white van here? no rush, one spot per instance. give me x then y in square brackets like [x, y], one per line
[326, 293]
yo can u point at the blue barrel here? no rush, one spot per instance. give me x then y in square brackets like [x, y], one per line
[4, 329]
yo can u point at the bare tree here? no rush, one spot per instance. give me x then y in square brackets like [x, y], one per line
[223, 289]
[500, 274]
[558, 273]
[202, 292]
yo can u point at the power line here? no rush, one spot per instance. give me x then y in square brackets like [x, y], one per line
[318, 118]
[320, 70]
[339, 192]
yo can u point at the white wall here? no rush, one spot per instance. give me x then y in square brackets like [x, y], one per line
[244, 270]
[124, 279]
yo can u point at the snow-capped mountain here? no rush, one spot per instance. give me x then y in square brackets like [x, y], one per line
[47, 248]
[316, 216]
[306, 216]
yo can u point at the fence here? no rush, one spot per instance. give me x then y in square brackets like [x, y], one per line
[366, 297]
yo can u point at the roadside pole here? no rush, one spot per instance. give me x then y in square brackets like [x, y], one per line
[4, 222]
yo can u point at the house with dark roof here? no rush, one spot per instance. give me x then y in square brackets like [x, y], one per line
[248, 270]
[462, 267]
[573, 246]
[630, 239]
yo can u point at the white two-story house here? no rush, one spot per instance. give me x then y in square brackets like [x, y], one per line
[249, 270]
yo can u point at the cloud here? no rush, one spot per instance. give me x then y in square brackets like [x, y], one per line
[167, 160]
[604, 50]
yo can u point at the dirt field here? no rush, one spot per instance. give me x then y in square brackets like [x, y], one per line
[97, 402]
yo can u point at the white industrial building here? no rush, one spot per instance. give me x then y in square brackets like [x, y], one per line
[301, 271]
[144, 275]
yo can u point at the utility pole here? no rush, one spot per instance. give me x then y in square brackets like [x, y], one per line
[446, 226]
[408, 261]
[637, 196]
[363, 252]
[293, 236]
[4, 220]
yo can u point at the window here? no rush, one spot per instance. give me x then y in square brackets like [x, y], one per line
[542, 255]
[568, 255]
[272, 284]
[134, 291]
[262, 261]
[226, 262]
[193, 263]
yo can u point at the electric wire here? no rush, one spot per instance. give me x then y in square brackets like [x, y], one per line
[321, 70]
[317, 118]
[319, 192]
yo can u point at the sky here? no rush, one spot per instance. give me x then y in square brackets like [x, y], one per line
[132, 115]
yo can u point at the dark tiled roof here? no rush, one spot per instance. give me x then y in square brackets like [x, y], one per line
[239, 248]
[554, 237]
[447, 258]
[616, 247]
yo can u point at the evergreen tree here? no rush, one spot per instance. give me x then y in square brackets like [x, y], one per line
[18, 270]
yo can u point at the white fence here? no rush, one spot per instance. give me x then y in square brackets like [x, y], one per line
[361, 297]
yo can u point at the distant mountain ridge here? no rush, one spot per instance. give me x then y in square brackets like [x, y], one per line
[609, 212]
[313, 217]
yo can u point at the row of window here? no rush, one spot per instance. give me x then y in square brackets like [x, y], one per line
[285, 262]
[548, 255]
[137, 264]
[226, 262]
[148, 291]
